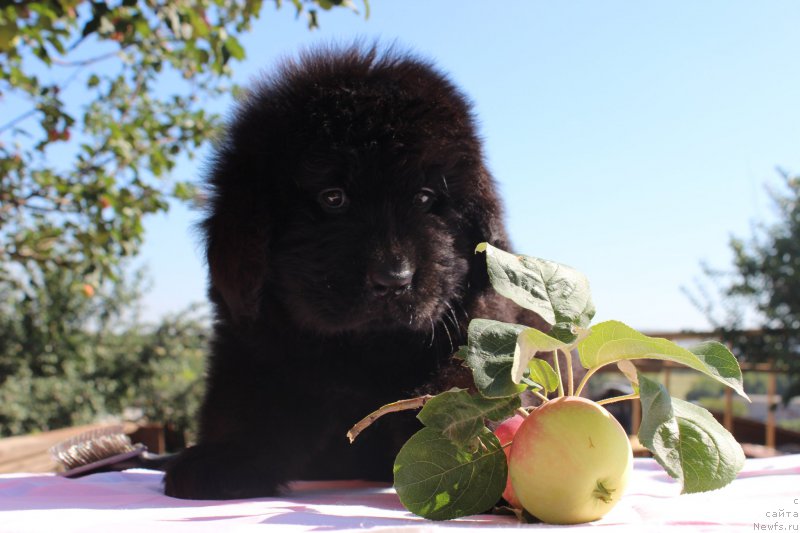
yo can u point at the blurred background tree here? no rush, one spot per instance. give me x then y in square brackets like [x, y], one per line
[762, 291]
[68, 359]
[77, 176]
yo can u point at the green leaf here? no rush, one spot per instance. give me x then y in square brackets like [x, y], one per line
[687, 441]
[440, 480]
[613, 341]
[529, 342]
[490, 355]
[628, 369]
[556, 292]
[184, 190]
[199, 26]
[541, 373]
[718, 356]
[234, 48]
[461, 417]
[9, 35]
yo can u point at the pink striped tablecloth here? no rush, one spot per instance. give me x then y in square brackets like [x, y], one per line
[765, 497]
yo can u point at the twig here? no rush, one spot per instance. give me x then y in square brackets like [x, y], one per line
[80, 63]
[10, 124]
[394, 407]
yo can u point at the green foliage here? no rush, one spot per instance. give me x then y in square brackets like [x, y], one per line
[449, 469]
[613, 341]
[763, 289]
[556, 292]
[460, 416]
[67, 358]
[490, 355]
[529, 343]
[76, 178]
[687, 441]
[758, 382]
[791, 425]
[439, 479]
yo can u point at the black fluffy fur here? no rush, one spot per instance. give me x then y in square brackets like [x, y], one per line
[305, 341]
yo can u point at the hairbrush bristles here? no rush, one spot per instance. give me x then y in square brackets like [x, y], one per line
[92, 446]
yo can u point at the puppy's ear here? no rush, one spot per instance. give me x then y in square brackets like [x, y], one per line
[485, 215]
[236, 251]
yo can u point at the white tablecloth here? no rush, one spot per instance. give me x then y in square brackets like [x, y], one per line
[765, 497]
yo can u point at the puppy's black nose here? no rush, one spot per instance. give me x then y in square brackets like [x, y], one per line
[391, 278]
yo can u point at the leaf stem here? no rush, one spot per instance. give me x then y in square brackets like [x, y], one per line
[570, 375]
[541, 396]
[522, 412]
[557, 368]
[616, 399]
[586, 377]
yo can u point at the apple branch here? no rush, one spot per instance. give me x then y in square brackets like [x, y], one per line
[394, 407]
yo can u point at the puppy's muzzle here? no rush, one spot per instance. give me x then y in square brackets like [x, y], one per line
[391, 277]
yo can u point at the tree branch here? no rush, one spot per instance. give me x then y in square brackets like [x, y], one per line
[84, 62]
[12, 122]
[394, 407]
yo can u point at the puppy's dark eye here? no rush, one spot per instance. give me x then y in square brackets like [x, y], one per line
[333, 200]
[424, 199]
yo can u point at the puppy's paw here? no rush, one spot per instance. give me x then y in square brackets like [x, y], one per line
[204, 472]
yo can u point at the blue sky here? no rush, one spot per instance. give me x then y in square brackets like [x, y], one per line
[630, 140]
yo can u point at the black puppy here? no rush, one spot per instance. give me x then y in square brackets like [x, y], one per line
[346, 200]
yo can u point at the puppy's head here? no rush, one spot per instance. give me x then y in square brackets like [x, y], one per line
[350, 191]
